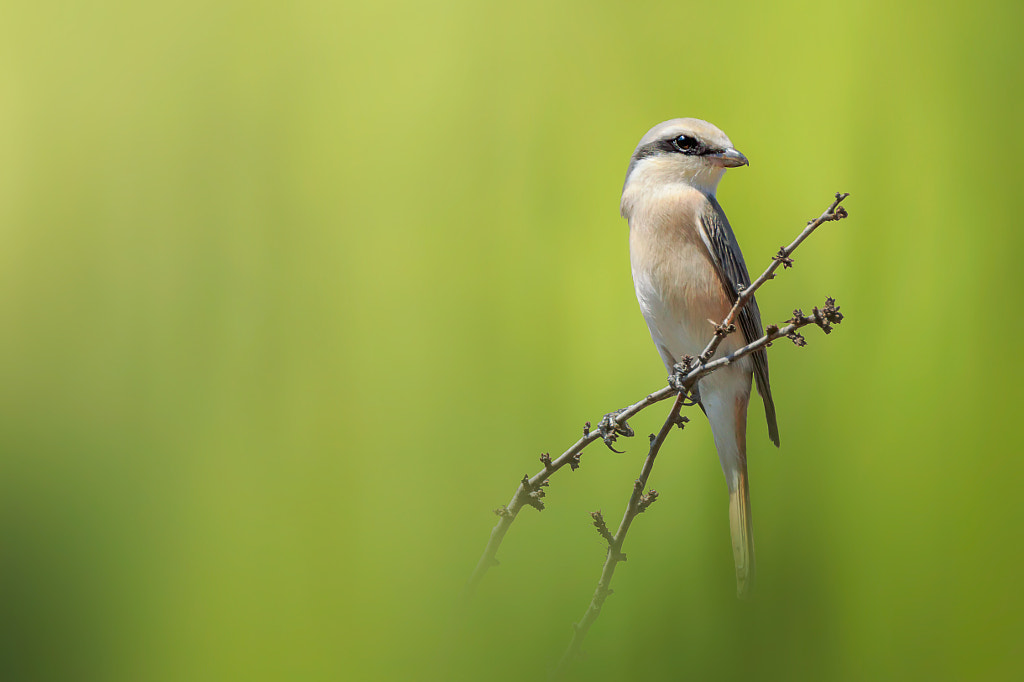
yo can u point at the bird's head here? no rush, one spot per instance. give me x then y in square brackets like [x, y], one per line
[683, 150]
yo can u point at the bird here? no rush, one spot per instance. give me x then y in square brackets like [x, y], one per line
[688, 272]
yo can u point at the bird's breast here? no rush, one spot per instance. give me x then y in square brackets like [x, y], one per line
[677, 284]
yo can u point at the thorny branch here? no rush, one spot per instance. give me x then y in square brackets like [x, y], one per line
[782, 258]
[681, 384]
[638, 503]
[530, 489]
[824, 318]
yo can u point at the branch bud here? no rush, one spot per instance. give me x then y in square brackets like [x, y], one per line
[602, 527]
[646, 500]
[783, 257]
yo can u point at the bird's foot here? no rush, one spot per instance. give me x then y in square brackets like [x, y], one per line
[677, 380]
[611, 428]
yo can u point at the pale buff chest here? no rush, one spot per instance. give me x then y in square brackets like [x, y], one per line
[676, 282]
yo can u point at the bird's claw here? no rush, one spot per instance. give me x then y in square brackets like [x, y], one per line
[676, 380]
[611, 428]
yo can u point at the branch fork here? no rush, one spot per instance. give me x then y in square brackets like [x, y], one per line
[683, 387]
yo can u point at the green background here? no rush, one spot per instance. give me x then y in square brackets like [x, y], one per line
[292, 294]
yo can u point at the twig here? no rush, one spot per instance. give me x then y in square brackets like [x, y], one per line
[688, 373]
[782, 258]
[823, 317]
[530, 490]
[638, 503]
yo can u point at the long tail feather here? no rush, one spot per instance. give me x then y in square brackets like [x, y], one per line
[742, 527]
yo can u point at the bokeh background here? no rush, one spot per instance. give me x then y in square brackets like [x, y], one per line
[292, 294]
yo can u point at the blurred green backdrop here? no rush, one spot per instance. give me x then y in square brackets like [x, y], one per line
[292, 294]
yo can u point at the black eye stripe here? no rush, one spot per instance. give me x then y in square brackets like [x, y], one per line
[687, 144]
[671, 145]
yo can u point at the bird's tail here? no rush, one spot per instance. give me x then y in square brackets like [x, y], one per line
[726, 403]
[741, 525]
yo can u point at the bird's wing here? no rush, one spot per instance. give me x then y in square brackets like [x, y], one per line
[732, 271]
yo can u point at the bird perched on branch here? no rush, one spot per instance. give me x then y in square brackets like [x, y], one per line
[688, 271]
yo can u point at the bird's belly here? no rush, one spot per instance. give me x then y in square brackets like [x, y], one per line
[682, 299]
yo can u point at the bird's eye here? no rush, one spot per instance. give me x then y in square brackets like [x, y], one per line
[687, 144]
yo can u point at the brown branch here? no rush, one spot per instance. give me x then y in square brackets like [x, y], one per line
[824, 318]
[782, 258]
[530, 490]
[638, 503]
[689, 373]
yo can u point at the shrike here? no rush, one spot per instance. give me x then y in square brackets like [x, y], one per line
[687, 271]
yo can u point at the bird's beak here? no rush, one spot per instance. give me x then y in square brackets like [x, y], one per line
[729, 158]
